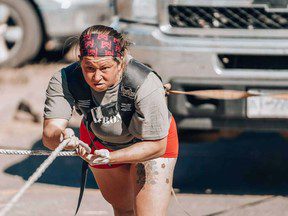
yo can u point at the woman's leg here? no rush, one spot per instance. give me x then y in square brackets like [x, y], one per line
[152, 182]
[115, 186]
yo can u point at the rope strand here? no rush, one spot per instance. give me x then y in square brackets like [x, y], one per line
[35, 152]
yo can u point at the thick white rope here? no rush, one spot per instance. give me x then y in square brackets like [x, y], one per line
[35, 152]
[37, 174]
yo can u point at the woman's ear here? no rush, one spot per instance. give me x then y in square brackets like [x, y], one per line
[120, 65]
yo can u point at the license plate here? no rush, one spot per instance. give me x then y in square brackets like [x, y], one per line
[266, 107]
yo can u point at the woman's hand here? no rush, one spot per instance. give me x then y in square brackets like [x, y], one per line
[101, 156]
[74, 141]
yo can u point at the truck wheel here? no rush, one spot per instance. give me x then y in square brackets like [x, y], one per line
[20, 32]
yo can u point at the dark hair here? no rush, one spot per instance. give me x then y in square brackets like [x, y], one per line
[101, 29]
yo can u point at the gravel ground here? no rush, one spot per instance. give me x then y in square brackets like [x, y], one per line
[47, 197]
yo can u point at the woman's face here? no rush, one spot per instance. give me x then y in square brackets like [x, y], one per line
[101, 72]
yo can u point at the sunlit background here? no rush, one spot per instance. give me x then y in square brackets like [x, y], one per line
[233, 153]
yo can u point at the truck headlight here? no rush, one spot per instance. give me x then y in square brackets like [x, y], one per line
[144, 11]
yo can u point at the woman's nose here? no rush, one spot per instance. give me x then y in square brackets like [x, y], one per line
[97, 76]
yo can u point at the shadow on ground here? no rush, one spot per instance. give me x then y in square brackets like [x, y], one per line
[252, 163]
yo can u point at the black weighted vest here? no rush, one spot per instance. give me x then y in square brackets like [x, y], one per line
[133, 78]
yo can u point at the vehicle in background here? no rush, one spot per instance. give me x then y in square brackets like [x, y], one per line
[214, 44]
[29, 27]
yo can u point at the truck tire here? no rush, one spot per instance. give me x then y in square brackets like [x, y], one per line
[20, 32]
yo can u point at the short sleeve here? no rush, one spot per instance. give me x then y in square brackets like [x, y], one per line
[151, 119]
[59, 102]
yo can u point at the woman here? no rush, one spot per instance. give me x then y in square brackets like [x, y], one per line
[125, 120]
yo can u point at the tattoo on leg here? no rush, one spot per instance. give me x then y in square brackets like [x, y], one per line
[147, 173]
[169, 171]
[141, 176]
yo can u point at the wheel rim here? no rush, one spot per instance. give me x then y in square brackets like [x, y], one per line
[11, 32]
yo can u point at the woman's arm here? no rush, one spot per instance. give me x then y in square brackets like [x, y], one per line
[139, 152]
[57, 110]
[52, 129]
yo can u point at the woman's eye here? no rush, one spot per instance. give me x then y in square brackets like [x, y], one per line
[90, 68]
[105, 68]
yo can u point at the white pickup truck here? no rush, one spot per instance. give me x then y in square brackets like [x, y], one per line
[214, 44]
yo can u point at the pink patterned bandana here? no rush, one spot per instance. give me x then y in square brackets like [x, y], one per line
[99, 45]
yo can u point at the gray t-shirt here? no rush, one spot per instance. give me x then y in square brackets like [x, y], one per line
[150, 121]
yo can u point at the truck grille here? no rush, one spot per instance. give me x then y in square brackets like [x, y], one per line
[258, 62]
[226, 17]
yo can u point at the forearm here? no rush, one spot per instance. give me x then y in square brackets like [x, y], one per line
[139, 152]
[51, 139]
[52, 130]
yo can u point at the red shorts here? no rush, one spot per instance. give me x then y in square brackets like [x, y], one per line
[171, 148]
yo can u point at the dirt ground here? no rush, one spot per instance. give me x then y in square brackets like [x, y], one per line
[21, 130]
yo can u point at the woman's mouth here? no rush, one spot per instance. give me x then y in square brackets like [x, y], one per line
[98, 84]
